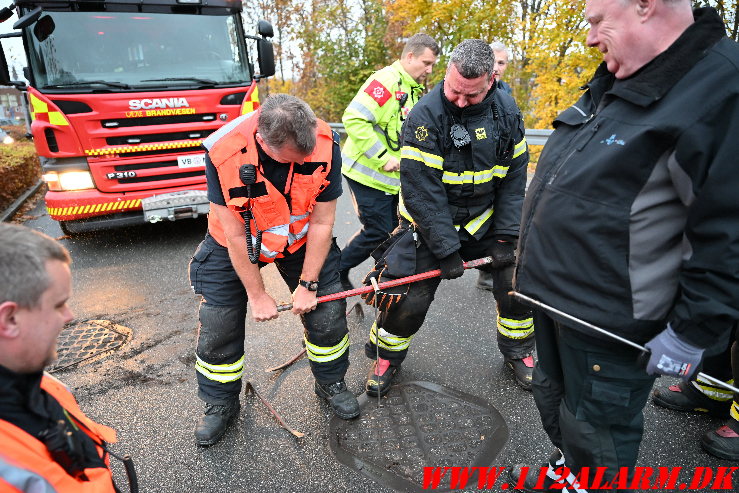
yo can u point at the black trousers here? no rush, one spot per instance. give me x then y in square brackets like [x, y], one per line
[222, 314]
[378, 213]
[404, 319]
[725, 366]
[590, 395]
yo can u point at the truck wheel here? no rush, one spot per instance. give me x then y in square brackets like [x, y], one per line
[65, 228]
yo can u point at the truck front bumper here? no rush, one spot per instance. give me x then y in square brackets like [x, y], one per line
[171, 205]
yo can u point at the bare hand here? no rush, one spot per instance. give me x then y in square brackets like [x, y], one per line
[263, 308]
[392, 165]
[304, 301]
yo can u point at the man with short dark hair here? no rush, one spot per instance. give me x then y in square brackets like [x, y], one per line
[463, 174]
[48, 444]
[373, 123]
[631, 223]
[273, 180]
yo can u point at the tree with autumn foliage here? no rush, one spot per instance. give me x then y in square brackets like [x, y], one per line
[327, 48]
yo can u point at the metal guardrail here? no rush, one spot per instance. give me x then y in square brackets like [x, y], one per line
[534, 136]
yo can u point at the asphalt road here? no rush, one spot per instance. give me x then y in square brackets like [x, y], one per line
[137, 277]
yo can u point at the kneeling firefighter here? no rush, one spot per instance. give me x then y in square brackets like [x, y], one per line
[273, 180]
[463, 175]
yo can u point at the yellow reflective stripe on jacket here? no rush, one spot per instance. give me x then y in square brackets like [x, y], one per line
[321, 354]
[350, 164]
[475, 224]
[220, 373]
[471, 227]
[359, 108]
[389, 342]
[734, 413]
[519, 148]
[430, 160]
[713, 392]
[515, 329]
[402, 210]
[376, 148]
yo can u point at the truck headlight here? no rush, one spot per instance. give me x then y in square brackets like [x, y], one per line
[68, 180]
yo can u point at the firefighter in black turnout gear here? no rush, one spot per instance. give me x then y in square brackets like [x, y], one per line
[463, 175]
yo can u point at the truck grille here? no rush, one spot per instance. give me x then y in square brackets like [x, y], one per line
[165, 137]
[157, 120]
[171, 176]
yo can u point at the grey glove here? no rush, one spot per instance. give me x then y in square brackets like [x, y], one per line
[503, 253]
[452, 266]
[672, 356]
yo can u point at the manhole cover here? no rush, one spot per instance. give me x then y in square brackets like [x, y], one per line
[420, 424]
[88, 341]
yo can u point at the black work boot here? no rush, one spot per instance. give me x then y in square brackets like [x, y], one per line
[523, 370]
[723, 442]
[346, 284]
[343, 402]
[485, 281]
[685, 397]
[380, 377]
[212, 425]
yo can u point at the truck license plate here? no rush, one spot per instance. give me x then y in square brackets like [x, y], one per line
[191, 161]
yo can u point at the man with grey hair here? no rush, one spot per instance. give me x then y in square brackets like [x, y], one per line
[631, 224]
[373, 122]
[46, 439]
[273, 180]
[502, 57]
[462, 174]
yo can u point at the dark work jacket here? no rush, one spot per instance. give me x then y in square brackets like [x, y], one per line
[632, 218]
[446, 190]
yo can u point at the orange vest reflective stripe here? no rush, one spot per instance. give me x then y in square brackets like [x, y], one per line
[283, 227]
[27, 465]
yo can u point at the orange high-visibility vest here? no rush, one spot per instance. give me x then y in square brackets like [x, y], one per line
[283, 227]
[27, 465]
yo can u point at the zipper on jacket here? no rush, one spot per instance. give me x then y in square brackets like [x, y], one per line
[547, 180]
[593, 130]
[590, 137]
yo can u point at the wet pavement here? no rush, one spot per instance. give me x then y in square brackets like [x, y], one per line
[137, 277]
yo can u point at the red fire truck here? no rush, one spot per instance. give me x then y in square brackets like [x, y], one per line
[121, 95]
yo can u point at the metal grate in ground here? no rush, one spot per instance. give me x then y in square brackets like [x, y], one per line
[88, 341]
[419, 424]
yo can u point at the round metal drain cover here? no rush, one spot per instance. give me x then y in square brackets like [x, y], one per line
[419, 424]
[88, 341]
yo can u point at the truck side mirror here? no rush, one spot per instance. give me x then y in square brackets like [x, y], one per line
[28, 19]
[266, 58]
[43, 28]
[5, 14]
[264, 29]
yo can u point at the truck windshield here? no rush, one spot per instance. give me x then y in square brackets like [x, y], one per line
[83, 51]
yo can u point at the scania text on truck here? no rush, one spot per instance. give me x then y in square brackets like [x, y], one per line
[121, 94]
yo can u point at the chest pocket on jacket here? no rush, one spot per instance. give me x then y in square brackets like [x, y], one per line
[308, 182]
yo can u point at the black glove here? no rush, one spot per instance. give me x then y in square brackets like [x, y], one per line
[672, 356]
[452, 266]
[503, 253]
